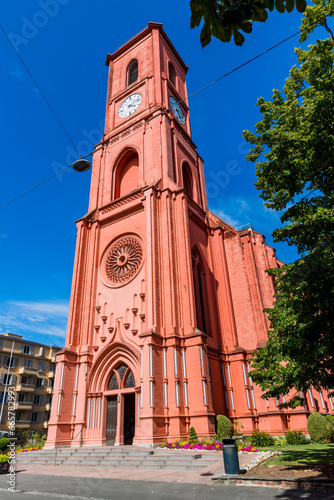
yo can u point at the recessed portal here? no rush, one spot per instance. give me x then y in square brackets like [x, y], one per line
[129, 418]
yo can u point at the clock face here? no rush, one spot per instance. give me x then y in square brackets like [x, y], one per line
[130, 105]
[176, 108]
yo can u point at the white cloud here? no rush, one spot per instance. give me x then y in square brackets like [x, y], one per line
[225, 217]
[31, 319]
[54, 308]
[243, 206]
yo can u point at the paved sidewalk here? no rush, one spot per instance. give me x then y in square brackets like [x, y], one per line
[202, 475]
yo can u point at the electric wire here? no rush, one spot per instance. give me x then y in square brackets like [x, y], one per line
[39, 88]
[145, 121]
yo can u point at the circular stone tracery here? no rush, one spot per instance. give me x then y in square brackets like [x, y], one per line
[124, 259]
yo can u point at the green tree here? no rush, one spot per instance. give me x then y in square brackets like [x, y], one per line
[226, 18]
[295, 141]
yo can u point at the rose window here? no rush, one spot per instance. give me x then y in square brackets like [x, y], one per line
[123, 260]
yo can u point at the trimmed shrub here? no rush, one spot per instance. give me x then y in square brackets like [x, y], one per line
[259, 438]
[4, 459]
[192, 436]
[4, 442]
[330, 418]
[224, 427]
[320, 428]
[296, 437]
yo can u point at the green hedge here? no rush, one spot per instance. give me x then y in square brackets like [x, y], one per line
[330, 418]
[224, 427]
[4, 442]
[320, 428]
[259, 438]
[295, 438]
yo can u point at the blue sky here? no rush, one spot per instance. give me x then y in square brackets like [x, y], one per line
[64, 43]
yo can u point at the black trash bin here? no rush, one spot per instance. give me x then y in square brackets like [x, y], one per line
[231, 459]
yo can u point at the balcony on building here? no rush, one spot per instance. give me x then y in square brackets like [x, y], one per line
[25, 370]
[45, 424]
[48, 407]
[23, 405]
[22, 424]
[25, 388]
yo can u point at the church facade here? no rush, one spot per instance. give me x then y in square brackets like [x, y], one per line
[167, 299]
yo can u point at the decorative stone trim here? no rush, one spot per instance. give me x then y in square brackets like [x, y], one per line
[121, 202]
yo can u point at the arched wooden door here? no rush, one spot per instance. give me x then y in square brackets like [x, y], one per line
[121, 408]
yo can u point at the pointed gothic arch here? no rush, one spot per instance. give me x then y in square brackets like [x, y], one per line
[172, 74]
[121, 377]
[200, 289]
[112, 356]
[187, 179]
[127, 173]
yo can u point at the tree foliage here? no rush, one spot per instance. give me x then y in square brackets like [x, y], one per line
[295, 142]
[226, 18]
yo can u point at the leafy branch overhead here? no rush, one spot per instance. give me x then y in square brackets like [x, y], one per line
[226, 18]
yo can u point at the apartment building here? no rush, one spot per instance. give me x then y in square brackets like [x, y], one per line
[30, 367]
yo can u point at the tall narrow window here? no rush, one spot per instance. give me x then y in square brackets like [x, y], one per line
[200, 292]
[187, 180]
[127, 175]
[132, 72]
[172, 74]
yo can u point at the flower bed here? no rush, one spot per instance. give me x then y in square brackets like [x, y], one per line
[24, 450]
[249, 449]
[209, 446]
[204, 445]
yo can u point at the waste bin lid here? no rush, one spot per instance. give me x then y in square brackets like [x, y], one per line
[227, 442]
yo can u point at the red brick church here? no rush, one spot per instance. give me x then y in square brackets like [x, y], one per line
[167, 298]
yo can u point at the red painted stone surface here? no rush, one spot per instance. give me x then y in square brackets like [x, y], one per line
[160, 283]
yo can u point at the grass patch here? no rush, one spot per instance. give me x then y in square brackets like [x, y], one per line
[307, 454]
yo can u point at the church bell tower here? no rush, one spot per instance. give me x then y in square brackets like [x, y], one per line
[167, 299]
[135, 365]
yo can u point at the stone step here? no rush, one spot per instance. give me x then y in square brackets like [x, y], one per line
[120, 457]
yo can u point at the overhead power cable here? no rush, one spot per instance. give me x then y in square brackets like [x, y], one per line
[142, 123]
[42, 94]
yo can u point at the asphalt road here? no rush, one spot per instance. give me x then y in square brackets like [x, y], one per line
[54, 487]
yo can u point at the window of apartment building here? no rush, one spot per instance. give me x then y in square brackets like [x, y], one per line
[6, 379]
[37, 399]
[6, 397]
[17, 416]
[40, 383]
[27, 349]
[51, 383]
[25, 380]
[47, 416]
[41, 351]
[7, 361]
[35, 417]
[29, 363]
[41, 366]
[21, 398]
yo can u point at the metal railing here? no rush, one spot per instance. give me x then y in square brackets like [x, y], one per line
[66, 442]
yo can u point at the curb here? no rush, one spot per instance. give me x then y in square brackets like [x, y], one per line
[277, 482]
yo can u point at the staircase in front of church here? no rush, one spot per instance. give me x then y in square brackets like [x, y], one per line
[118, 456]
